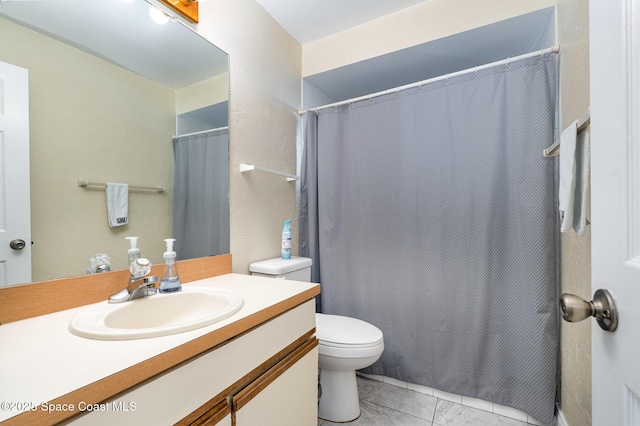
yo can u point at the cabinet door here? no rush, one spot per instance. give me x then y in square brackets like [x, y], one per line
[285, 395]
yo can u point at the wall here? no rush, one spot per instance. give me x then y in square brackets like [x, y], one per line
[573, 36]
[419, 24]
[126, 139]
[203, 94]
[265, 71]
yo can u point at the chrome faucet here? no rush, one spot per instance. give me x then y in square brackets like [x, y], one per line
[139, 285]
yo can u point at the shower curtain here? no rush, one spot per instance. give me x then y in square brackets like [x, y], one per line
[434, 220]
[201, 194]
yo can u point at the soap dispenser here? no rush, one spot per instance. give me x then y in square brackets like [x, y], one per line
[170, 281]
[134, 251]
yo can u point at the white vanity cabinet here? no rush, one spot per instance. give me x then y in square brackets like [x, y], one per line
[267, 375]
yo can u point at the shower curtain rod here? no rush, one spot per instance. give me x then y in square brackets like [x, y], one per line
[201, 132]
[553, 49]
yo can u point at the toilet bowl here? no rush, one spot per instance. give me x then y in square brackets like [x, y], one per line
[345, 345]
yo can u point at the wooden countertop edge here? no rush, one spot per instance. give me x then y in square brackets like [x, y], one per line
[31, 300]
[112, 385]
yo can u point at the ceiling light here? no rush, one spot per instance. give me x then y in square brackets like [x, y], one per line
[158, 16]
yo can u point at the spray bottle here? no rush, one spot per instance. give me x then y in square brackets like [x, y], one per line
[286, 240]
[170, 281]
[134, 251]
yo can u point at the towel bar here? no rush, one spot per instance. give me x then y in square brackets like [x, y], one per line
[553, 150]
[84, 183]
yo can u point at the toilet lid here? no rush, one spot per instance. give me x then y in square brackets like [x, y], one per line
[336, 330]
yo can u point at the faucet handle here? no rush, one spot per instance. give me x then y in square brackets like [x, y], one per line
[139, 268]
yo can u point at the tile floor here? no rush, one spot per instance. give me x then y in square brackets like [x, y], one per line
[387, 404]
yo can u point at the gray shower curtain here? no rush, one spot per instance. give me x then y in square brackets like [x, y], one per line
[435, 222]
[201, 194]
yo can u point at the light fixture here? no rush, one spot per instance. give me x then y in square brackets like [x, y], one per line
[158, 16]
[186, 8]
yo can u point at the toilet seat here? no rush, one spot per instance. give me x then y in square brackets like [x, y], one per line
[347, 337]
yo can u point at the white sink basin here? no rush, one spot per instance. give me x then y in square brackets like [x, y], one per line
[157, 315]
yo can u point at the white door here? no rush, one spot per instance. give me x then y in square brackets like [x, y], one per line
[15, 212]
[615, 217]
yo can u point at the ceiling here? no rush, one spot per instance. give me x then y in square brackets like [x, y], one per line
[305, 20]
[310, 20]
[123, 33]
[505, 39]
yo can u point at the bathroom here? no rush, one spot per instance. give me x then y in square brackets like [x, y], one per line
[266, 66]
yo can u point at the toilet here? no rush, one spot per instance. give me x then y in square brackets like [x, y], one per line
[345, 345]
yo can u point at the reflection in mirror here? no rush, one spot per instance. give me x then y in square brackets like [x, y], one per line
[108, 91]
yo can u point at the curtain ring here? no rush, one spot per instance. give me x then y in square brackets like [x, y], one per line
[507, 63]
[475, 74]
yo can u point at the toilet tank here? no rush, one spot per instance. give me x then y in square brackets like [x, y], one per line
[296, 268]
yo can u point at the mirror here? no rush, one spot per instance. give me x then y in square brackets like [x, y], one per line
[108, 91]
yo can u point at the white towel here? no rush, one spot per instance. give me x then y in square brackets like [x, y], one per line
[117, 203]
[567, 188]
[582, 182]
[574, 178]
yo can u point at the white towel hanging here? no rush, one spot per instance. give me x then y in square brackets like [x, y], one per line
[567, 175]
[117, 204]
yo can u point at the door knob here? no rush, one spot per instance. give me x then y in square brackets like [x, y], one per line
[602, 307]
[17, 244]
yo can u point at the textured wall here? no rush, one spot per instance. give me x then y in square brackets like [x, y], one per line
[573, 36]
[265, 63]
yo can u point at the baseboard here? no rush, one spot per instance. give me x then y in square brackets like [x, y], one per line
[561, 420]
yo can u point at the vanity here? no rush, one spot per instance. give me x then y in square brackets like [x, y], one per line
[258, 366]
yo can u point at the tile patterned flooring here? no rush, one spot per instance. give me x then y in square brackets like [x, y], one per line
[386, 404]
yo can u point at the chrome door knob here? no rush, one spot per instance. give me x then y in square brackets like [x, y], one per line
[602, 307]
[17, 244]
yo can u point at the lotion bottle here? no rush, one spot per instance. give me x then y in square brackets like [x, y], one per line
[286, 240]
[170, 281]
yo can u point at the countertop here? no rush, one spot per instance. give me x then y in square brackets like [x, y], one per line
[41, 360]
